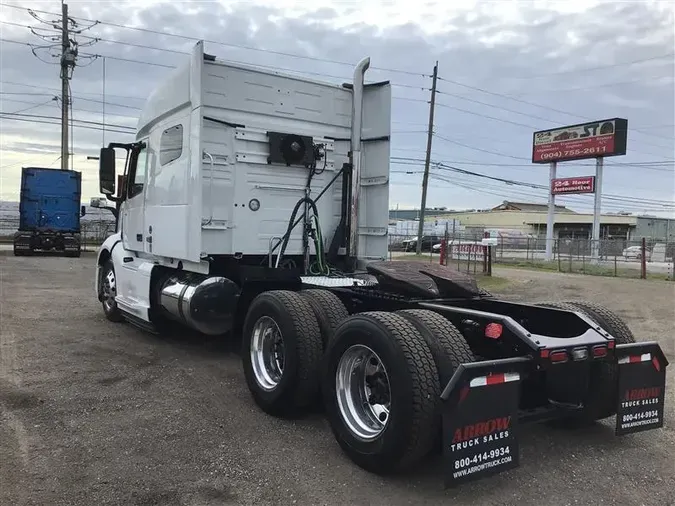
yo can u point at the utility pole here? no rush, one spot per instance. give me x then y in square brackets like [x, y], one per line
[425, 180]
[103, 107]
[65, 96]
[68, 55]
[65, 48]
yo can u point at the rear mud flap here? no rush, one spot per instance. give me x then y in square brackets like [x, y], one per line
[480, 420]
[641, 387]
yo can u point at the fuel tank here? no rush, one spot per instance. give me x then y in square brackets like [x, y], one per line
[204, 303]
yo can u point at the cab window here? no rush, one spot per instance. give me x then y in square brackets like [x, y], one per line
[138, 181]
[171, 144]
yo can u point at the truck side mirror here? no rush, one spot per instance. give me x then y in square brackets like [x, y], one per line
[83, 210]
[106, 171]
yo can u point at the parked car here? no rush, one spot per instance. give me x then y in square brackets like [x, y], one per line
[635, 253]
[427, 243]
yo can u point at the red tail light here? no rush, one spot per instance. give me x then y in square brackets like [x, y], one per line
[610, 345]
[599, 351]
[494, 330]
[558, 357]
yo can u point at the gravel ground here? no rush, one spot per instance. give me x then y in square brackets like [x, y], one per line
[95, 413]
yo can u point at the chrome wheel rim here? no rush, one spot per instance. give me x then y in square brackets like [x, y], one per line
[267, 353]
[363, 392]
[109, 290]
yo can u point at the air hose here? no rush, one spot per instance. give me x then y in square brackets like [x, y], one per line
[291, 224]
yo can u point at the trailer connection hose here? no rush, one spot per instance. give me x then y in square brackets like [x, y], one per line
[320, 265]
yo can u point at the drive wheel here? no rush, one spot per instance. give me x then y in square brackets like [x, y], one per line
[447, 346]
[601, 400]
[281, 352]
[380, 388]
[109, 292]
[328, 309]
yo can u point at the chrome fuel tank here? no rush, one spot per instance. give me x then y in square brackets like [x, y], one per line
[206, 304]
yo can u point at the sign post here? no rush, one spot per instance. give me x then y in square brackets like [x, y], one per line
[596, 139]
[596, 209]
[550, 219]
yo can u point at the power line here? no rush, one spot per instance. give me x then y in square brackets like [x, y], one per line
[78, 97]
[484, 188]
[236, 62]
[529, 127]
[446, 166]
[513, 156]
[527, 102]
[451, 168]
[227, 44]
[33, 106]
[491, 189]
[571, 164]
[588, 69]
[594, 86]
[44, 122]
[460, 97]
[480, 149]
[30, 117]
[75, 109]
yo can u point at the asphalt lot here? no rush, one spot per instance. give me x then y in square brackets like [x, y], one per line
[95, 413]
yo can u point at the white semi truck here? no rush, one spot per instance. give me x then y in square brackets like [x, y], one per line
[254, 205]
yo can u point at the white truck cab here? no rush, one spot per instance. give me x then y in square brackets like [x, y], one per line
[225, 156]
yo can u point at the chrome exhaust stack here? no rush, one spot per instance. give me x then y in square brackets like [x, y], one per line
[355, 155]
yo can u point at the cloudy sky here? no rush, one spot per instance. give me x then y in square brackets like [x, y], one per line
[506, 69]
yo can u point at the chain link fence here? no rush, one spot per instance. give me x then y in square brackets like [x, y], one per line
[643, 258]
[92, 232]
[465, 253]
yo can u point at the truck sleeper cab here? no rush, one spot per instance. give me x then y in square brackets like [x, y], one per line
[256, 204]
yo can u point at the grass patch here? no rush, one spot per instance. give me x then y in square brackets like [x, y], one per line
[491, 283]
[576, 267]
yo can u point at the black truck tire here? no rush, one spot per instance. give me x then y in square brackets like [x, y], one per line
[406, 435]
[108, 293]
[448, 347]
[285, 390]
[22, 252]
[446, 342]
[602, 400]
[328, 309]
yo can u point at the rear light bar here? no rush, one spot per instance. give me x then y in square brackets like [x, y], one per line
[576, 354]
[558, 357]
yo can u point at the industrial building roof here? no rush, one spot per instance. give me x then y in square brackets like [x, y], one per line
[507, 205]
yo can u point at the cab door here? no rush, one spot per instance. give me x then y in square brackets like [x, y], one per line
[133, 215]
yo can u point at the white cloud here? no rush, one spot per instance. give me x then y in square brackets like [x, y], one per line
[533, 51]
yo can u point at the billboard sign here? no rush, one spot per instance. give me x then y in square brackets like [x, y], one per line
[571, 185]
[606, 137]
